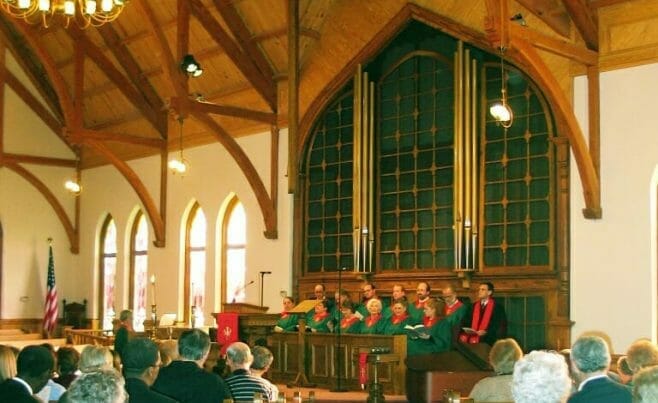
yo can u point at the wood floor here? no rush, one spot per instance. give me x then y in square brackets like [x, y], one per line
[324, 395]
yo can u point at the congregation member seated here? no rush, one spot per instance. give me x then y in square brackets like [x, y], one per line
[67, 365]
[52, 391]
[104, 386]
[590, 360]
[96, 358]
[141, 366]
[320, 321]
[541, 377]
[399, 319]
[434, 335]
[624, 371]
[502, 357]
[34, 367]
[185, 380]
[349, 322]
[287, 321]
[214, 362]
[645, 385]
[641, 354]
[7, 363]
[263, 359]
[168, 351]
[374, 322]
[485, 322]
[242, 384]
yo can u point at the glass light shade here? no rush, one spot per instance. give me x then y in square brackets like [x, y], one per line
[44, 5]
[72, 186]
[69, 8]
[90, 7]
[23, 4]
[106, 5]
[501, 112]
[177, 166]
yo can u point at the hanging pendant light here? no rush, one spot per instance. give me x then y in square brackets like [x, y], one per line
[501, 111]
[179, 165]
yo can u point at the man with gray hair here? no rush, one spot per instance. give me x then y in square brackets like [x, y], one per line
[541, 377]
[242, 383]
[263, 358]
[590, 360]
[185, 380]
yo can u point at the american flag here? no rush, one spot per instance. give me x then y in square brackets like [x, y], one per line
[50, 314]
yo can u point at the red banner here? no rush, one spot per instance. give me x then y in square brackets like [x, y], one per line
[227, 329]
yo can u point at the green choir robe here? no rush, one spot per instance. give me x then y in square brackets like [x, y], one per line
[287, 322]
[372, 325]
[395, 325]
[439, 341]
[350, 326]
[320, 323]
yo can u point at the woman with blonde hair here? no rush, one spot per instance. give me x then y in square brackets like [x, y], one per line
[435, 335]
[96, 358]
[502, 357]
[7, 363]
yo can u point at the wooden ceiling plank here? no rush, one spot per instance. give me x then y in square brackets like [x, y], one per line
[157, 118]
[559, 47]
[38, 160]
[264, 86]
[549, 12]
[263, 36]
[39, 109]
[585, 21]
[79, 136]
[78, 85]
[34, 70]
[235, 111]
[264, 201]
[240, 31]
[183, 30]
[176, 85]
[134, 73]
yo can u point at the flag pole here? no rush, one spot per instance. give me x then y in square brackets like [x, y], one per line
[50, 307]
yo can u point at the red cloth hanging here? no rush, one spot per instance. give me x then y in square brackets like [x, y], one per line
[227, 330]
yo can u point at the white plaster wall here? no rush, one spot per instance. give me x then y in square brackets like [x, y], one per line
[613, 284]
[213, 176]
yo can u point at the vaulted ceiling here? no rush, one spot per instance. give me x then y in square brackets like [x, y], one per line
[120, 85]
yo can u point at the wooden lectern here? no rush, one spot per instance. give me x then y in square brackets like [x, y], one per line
[242, 308]
[254, 323]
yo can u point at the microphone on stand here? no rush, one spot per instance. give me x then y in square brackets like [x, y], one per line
[265, 272]
[239, 290]
[262, 276]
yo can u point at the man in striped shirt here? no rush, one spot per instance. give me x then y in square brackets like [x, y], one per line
[241, 382]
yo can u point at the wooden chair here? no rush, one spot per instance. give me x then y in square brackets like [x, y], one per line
[75, 314]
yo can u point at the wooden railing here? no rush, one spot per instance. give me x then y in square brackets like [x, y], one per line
[88, 336]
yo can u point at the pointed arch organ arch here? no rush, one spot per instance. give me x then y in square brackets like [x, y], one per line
[138, 278]
[194, 283]
[234, 247]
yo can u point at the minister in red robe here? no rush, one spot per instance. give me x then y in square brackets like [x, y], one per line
[486, 318]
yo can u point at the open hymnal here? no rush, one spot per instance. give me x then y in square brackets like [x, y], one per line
[417, 331]
[469, 330]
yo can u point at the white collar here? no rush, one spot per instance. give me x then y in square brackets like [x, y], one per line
[27, 385]
[591, 378]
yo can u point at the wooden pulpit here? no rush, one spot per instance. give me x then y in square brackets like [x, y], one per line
[242, 308]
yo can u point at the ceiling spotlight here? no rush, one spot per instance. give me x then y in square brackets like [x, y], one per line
[190, 66]
[519, 19]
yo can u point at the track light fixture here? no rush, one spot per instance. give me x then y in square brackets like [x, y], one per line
[191, 67]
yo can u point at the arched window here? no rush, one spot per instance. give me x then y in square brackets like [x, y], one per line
[108, 269]
[195, 265]
[235, 243]
[1, 271]
[139, 235]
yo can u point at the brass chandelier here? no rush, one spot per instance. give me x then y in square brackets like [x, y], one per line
[84, 12]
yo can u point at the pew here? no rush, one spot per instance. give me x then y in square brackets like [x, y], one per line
[31, 342]
[17, 336]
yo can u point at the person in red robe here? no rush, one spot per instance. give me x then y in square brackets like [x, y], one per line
[485, 322]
